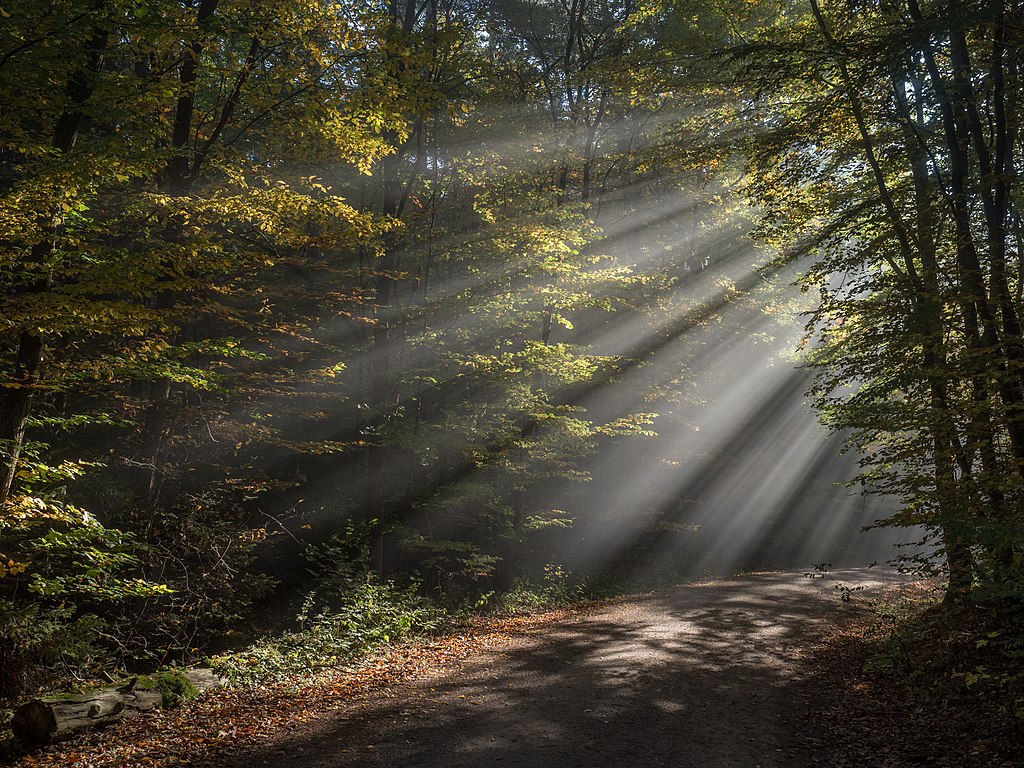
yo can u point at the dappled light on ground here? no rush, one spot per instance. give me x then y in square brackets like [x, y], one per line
[708, 675]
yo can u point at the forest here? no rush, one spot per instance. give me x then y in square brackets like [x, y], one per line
[347, 315]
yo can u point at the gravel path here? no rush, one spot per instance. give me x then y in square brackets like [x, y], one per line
[700, 676]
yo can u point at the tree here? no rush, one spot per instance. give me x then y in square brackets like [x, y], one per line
[143, 192]
[891, 137]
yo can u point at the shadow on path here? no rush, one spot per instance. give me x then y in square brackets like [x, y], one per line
[697, 676]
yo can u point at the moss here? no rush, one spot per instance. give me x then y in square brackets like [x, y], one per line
[174, 687]
[147, 683]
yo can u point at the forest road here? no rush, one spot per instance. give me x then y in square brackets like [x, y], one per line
[709, 675]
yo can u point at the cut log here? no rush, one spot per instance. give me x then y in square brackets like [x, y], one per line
[49, 719]
[57, 717]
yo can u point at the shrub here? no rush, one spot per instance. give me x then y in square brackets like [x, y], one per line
[368, 616]
[59, 570]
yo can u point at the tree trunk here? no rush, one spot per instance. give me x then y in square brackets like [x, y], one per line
[382, 399]
[177, 179]
[17, 405]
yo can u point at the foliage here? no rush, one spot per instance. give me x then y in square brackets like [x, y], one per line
[60, 569]
[556, 588]
[882, 129]
[332, 636]
[131, 243]
[45, 645]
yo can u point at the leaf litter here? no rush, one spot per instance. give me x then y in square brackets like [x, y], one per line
[230, 719]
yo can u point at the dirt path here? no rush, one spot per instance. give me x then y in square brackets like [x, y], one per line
[700, 676]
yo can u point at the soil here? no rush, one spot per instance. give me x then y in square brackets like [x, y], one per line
[708, 675]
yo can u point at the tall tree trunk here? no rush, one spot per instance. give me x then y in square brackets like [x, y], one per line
[962, 133]
[947, 449]
[177, 179]
[396, 191]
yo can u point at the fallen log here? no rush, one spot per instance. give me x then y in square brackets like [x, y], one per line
[53, 718]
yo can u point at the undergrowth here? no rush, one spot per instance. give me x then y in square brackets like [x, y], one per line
[557, 588]
[332, 635]
[951, 681]
[341, 624]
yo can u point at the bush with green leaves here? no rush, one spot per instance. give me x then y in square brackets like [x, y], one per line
[329, 637]
[59, 569]
[558, 587]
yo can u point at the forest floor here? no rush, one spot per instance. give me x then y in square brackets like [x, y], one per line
[707, 675]
[718, 674]
[756, 671]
